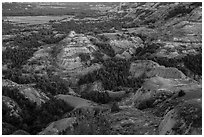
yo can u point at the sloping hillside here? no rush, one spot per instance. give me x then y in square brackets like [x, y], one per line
[134, 69]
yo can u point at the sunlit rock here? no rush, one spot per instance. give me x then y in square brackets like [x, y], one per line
[157, 89]
[75, 102]
[184, 119]
[33, 95]
[57, 127]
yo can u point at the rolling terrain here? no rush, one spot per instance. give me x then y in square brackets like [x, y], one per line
[102, 69]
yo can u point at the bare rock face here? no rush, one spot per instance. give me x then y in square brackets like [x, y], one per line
[75, 102]
[185, 119]
[76, 51]
[163, 108]
[121, 45]
[150, 69]
[57, 127]
[157, 89]
[140, 67]
[172, 73]
[125, 48]
[116, 95]
[131, 121]
[33, 95]
[70, 58]
[95, 86]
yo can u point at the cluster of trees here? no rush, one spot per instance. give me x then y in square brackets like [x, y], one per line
[114, 74]
[35, 118]
[25, 46]
[8, 28]
[95, 27]
[194, 63]
[105, 48]
[182, 9]
[52, 85]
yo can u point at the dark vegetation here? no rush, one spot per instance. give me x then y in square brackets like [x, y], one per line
[90, 123]
[8, 28]
[93, 125]
[114, 74]
[191, 62]
[49, 85]
[95, 27]
[105, 48]
[96, 96]
[35, 118]
[52, 85]
[194, 63]
[7, 128]
[84, 57]
[182, 10]
[24, 47]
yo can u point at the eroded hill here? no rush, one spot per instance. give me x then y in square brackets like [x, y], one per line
[135, 69]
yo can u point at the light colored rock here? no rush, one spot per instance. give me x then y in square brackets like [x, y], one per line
[140, 67]
[185, 119]
[150, 69]
[126, 55]
[33, 95]
[168, 72]
[57, 127]
[95, 86]
[116, 95]
[75, 102]
[72, 34]
[120, 46]
[157, 89]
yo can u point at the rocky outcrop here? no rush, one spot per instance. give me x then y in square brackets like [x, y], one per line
[70, 58]
[33, 95]
[148, 69]
[117, 95]
[57, 127]
[157, 89]
[73, 46]
[130, 121]
[95, 86]
[75, 102]
[139, 67]
[184, 119]
[183, 95]
[121, 45]
[169, 72]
